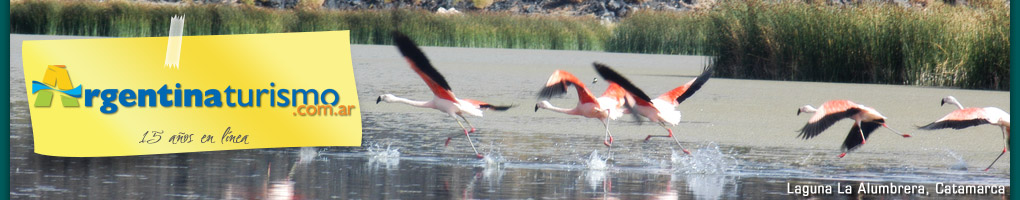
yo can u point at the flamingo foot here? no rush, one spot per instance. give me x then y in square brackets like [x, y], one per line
[864, 141]
[447, 142]
[842, 154]
[1004, 150]
[648, 138]
[906, 135]
[609, 142]
[687, 152]
[472, 130]
[479, 156]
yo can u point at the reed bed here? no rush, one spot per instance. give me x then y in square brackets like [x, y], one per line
[938, 45]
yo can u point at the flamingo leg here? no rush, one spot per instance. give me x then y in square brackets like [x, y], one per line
[1005, 148]
[468, 137]
[450, 137]
[469, 124]
[663, 126]
[863, 139]
[609, 136]
[674, 138]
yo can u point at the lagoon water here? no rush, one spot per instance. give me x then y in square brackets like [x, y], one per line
[742, 133]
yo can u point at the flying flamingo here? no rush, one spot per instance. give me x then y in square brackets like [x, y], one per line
[866, 120]
[608, 106]
[661, 109]
[444, 100]
[967, 117]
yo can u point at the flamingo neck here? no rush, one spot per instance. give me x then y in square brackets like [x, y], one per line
[422, 104]
[548, 106]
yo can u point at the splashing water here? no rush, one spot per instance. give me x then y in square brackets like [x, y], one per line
[388, 158]
[707, 160]
[493, 158]
[377, 152]
[960, 163]
[596, 162]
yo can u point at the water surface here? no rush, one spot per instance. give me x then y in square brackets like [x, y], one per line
[742, 133]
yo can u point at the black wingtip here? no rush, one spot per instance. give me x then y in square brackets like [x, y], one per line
[612, 76]
[556, 90]
[698, 82]
[498, 108]
[410, 50]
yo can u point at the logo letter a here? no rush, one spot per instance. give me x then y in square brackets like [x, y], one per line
[56, 76]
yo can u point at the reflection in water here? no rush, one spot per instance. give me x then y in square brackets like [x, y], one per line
[708, 186]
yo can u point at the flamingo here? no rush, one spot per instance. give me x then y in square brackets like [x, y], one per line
[866, 120]
[444, 100]
[608, 106]
[967, 117]
[661, 109]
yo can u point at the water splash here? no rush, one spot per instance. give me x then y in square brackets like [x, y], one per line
[376, 151]
[706, 160]
[378, 157]
[960, 163]
[493, 158]
[596, 162]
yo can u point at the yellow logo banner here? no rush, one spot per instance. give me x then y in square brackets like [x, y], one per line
[115, 97]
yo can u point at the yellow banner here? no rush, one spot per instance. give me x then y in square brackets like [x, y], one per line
[115, 97]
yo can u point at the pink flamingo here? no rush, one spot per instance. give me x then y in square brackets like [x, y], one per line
[866, 120]
[444, 100]
[967, 117]
[661, 109]
[608, 106]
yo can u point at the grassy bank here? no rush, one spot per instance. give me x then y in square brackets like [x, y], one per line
[124, 19]
[940, 45]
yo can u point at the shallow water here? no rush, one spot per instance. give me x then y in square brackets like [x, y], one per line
[741, 133]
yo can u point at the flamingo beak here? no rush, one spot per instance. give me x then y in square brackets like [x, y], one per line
[798, 112]
[943, 102]
[378, 100]
[536, 107]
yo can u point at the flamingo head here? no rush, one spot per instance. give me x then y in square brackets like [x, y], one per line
[542, 104]
[951, 100]
[385, 97]
[806, 109]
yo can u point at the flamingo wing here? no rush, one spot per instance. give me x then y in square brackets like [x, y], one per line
[486, 106]
[615, 92]
[679, 94]
[612, 76]
[960, 119]
[423, 67]
[824, 121]
[853, 139]
[558, 84]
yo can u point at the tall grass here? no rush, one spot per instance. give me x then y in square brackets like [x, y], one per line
[939, 45]
[123, 19]
[957, 46]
